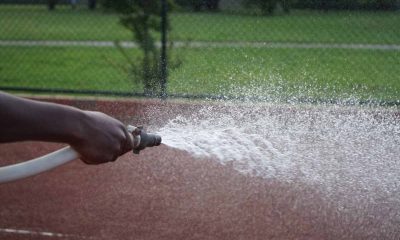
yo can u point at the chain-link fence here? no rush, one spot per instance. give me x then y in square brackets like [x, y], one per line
[269, 49]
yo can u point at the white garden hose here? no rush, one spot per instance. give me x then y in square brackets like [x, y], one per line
[37, 165]
[140, 140]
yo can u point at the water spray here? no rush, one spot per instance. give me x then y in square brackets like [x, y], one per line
[140, 139]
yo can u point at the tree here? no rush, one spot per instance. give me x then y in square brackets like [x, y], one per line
[92, 4]
[349, 4]
[51, 4]
[197, 5]
[268, 6]
[142, 17]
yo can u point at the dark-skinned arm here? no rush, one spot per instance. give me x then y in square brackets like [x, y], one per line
[97, 137]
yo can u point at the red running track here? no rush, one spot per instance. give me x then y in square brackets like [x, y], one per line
[163, 194]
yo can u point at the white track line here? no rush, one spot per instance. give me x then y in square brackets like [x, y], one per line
[37, 233]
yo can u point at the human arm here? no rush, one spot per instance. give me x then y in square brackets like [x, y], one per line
[97, 137]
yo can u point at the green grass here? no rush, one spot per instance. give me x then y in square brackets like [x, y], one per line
[25, 22]
[37, 23]
[291, 72]
[319, 73]
[300, 26]
[64, 67]
[280, 72]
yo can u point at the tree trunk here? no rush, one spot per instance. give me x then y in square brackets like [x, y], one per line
[51, 4]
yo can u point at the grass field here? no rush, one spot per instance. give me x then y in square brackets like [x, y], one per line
[37, 23]
[293, 72]
[296, 72]
[300, 26]
[320, 73]
[64, 67]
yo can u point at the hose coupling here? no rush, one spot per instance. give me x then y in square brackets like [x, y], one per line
[141, 139]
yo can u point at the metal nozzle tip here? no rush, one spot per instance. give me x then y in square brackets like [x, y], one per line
[157, 140]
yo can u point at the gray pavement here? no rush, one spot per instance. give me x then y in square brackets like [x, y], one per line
[199, 44]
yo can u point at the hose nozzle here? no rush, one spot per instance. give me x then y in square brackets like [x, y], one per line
[142, 139]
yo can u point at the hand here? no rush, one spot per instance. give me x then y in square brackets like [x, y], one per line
[98, 138]
[101, 138]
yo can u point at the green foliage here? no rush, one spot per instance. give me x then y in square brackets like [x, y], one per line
[349, 4]
[142, 18]
[268, 7]
[197, 5]
[51, 4]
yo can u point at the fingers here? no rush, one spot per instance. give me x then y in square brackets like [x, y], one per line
[95, 159]
[104, 139]
[128, 141]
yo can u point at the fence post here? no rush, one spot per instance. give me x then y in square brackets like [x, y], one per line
[164, 71]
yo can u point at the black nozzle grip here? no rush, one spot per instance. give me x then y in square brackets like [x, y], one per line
[147, 140]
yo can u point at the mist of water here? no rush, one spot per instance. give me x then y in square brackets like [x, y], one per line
[351, 151]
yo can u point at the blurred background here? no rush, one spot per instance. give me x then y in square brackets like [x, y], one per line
[289, 50]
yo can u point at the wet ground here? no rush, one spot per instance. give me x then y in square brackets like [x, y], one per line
[165, 193]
